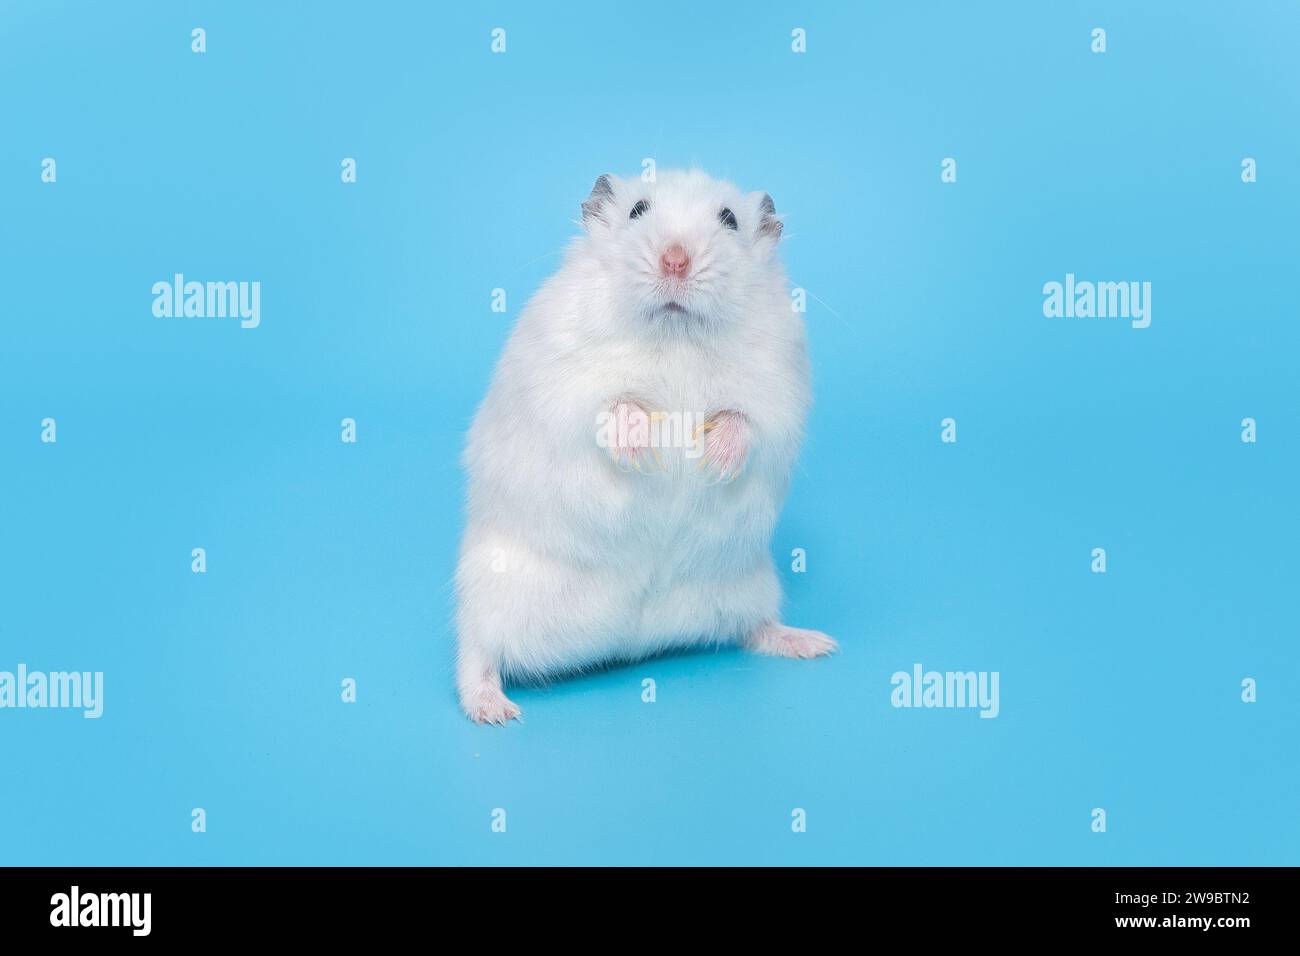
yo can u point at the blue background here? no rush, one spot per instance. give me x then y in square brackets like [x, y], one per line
[328, 560]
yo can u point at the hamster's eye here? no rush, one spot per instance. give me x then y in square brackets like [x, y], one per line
[640, 209]
[727, 218]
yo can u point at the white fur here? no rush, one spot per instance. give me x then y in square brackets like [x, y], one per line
[569, 561]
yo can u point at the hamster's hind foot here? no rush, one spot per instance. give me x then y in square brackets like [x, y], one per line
[488, 704]
[478, 679]
[777, 640]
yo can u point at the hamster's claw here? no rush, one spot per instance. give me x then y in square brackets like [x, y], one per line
[639, 460]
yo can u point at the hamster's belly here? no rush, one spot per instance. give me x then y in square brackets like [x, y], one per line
[662, 560]
[690, 524]
[696, 554]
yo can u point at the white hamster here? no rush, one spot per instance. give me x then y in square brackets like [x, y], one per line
[628, 464]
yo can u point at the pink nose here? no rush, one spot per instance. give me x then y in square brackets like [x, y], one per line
[674, 261]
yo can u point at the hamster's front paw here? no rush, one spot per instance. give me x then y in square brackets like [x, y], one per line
[627, 438]
[726, 445]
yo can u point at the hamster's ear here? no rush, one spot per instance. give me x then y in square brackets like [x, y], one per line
[769, 225]
[596, 206]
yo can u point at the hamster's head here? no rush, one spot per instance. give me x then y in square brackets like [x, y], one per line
[684, 248]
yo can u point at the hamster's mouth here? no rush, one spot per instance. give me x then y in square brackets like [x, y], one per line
[675, 307]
